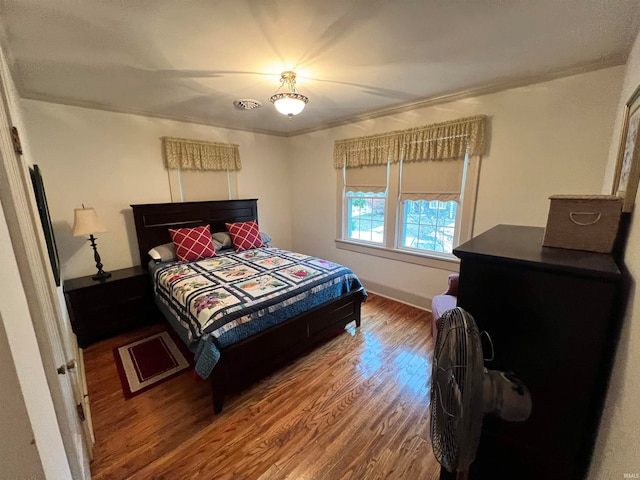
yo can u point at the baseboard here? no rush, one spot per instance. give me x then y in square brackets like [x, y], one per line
[409, 298]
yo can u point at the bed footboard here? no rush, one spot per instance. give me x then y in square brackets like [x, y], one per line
[249, 360]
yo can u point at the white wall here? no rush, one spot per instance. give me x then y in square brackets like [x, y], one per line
[547, 138]
[618, 443]
[544, 139]
[111, 160]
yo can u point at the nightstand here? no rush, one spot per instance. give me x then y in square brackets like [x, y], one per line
[103, 309]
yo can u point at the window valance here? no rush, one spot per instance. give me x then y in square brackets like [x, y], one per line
[200, 155]
[438, 141]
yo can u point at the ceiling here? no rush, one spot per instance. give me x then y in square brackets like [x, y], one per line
[355, 59]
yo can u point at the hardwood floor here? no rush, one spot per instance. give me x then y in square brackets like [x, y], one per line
[354, 408]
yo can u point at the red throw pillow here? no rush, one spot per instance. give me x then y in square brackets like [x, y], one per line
[245, 235]
[192, 243]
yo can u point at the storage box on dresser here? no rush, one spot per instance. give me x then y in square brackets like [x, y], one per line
[103, 309]
[583, 222]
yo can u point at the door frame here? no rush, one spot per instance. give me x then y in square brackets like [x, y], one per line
[27, 240]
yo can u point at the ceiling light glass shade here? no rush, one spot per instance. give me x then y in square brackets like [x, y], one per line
[289, 103]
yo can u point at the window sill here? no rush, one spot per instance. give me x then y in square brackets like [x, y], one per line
[444, 262]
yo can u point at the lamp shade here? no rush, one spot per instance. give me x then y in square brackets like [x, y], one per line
[86, 222]
[289, 103]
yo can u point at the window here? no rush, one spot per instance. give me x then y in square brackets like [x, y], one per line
[418, 210]
[429, 225]
[409, 194]
[365, 216]
[438, 204]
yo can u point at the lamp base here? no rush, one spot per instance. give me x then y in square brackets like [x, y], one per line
[101, 275]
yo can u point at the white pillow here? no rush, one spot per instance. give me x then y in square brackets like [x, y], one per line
[222, 240]
[163, 253]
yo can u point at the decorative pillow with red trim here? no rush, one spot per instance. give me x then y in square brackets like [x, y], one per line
[245, 235]
[193, 243]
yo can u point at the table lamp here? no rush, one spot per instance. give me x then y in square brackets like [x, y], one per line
[86, 222]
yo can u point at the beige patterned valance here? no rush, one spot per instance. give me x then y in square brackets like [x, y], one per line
[367, 151]
[199, 155]
[438, 141]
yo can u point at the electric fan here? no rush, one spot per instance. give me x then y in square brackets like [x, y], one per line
[463, 391]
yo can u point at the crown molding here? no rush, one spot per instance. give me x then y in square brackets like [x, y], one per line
[494, 87]
[143, 113]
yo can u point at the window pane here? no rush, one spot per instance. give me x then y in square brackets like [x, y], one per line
[366, 216]
[444, 239]
[429, 225]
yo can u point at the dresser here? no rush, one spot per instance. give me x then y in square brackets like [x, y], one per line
[553, 316]
[102, 309]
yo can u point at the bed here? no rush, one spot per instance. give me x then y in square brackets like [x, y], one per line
[233, 347]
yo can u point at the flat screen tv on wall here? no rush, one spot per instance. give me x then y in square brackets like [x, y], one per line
[43, 211]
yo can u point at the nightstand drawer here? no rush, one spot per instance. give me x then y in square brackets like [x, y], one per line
[102, 309]
[95, 298]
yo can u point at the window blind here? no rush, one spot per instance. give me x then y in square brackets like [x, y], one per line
[370, 179]
[435, 180]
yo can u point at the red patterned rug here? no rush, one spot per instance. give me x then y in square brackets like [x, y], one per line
[145, 363]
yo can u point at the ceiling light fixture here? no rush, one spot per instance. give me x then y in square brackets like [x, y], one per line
[289, 103]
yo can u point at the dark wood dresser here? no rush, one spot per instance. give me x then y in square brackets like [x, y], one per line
[553, 316]
[102, 309]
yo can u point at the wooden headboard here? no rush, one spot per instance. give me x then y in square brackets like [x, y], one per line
[153, 220]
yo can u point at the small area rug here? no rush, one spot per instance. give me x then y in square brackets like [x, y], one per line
[147, 362]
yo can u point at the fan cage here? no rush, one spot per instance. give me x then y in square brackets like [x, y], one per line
[456, 392]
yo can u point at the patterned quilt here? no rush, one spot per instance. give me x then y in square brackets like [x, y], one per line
[218, 301]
